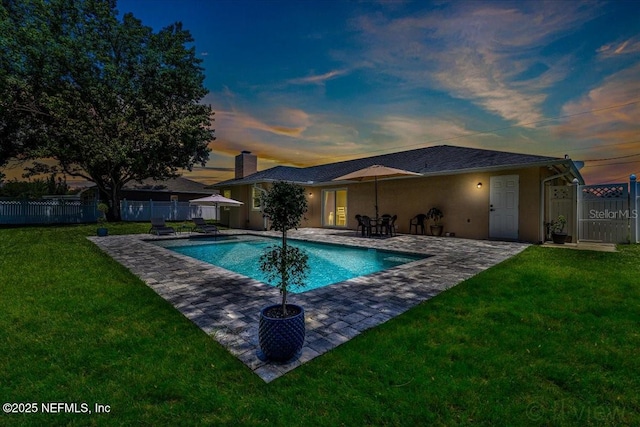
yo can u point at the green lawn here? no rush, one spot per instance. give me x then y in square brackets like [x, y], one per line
[550, 337]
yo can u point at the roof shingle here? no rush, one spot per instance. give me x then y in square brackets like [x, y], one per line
[429, 160]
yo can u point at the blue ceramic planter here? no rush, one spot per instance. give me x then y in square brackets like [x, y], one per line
[281, 339]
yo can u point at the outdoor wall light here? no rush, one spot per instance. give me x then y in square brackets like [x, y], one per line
[479, 185]
[310, 195]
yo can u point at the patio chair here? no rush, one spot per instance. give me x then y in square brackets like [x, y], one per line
[385, 219]
[360, 226]
[417, 221]
[388, 225]
[202, 226]
[159, 227]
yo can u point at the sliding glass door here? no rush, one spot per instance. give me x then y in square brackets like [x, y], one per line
[334, 208]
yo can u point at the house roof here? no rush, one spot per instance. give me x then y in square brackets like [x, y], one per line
[173, 185]
[436, 160]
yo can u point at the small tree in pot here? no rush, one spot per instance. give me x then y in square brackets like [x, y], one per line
[102, 219]
[436, 215]
[558, 235]
[281, 330]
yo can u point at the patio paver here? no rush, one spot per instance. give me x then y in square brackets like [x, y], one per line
[226, 305]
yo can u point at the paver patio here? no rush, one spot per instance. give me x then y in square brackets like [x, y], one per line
[226, 305]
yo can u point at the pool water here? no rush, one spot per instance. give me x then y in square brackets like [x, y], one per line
[328, 263]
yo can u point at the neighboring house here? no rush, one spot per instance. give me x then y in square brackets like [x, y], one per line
[484, 194]
[175, 189]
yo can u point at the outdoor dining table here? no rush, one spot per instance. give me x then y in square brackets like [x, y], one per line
[375, 225]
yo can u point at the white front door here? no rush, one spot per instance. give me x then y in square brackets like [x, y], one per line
[503, 207]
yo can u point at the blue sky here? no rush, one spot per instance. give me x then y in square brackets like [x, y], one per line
[310, 82]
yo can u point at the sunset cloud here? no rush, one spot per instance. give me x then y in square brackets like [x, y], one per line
[609, 112]
[486, 54]
[318, 79]
[365, 78]
[627, 47]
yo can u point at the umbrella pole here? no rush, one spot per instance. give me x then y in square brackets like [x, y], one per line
[375, 178]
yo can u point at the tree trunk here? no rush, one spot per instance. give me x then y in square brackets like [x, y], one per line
[115, 208]
[115, 204]
[112, 198]
[283, 268]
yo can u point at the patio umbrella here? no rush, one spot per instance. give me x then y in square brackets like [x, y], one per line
[373, 173]
[216, 200]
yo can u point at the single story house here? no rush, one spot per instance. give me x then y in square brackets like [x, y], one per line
[178, 189]
[483, 194]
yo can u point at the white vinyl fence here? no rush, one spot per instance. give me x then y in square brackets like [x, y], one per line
[47, 212]
[635, 204]
[601, 213]
[75, 212]
[170, 211]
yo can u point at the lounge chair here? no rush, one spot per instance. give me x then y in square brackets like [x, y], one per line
[202, 227]
[159, 227]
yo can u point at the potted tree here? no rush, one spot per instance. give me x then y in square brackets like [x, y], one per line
[436, 215]
[102, 219]
[281, 330]
[558, 235]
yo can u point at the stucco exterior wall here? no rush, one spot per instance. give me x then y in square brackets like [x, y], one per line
[465, 206]
[244, 217]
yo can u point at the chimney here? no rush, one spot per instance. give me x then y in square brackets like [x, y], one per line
[246, 164]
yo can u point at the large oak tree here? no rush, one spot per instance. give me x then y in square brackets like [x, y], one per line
[106, 99]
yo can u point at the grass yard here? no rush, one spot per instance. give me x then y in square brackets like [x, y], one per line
[550, 337]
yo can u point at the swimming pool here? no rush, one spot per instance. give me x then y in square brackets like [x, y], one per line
[328, 263]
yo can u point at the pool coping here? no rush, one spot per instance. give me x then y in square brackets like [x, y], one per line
[226, 305]
[204, 240]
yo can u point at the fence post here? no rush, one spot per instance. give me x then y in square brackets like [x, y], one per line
[633, 208]
[576, 209]
[124, 210]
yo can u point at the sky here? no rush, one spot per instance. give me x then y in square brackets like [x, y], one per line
[304, 82]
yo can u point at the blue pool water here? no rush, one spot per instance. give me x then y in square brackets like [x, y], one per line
[328, 263]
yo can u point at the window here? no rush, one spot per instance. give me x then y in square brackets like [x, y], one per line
[334, 208]
[256, 199]
[227, 194]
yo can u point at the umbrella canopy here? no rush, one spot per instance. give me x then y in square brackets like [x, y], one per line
[216, 200]
[373, 173]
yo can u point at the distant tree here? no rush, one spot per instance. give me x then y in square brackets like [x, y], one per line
[34, 189]
[114, 103]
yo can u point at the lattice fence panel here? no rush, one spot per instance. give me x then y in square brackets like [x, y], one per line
[562, 202]
[603, 212]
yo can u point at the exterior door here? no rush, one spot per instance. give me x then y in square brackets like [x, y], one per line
[503, 207]
[334, 208]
